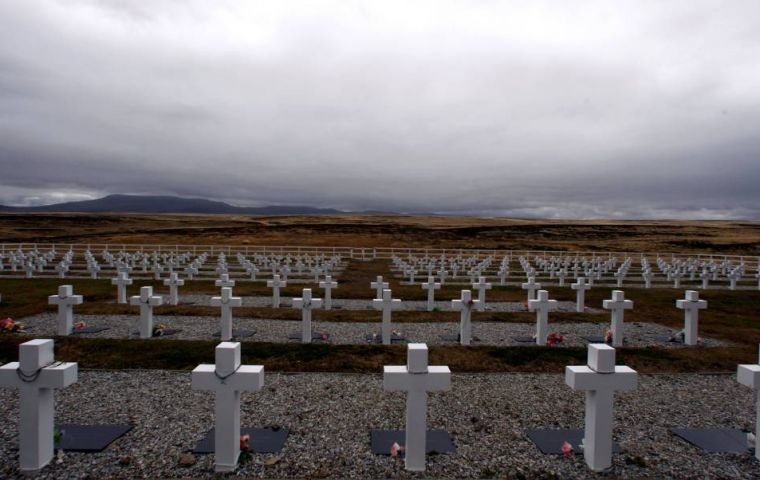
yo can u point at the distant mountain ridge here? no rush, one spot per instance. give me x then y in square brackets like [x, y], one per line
[166, 204]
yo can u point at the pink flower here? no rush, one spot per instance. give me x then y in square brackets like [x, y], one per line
[79, 325]
[396, 449]
[244, 442]
[567, 450]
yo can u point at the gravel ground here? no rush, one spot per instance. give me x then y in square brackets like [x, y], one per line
[486, 415]
[366, 304]
[488, 333]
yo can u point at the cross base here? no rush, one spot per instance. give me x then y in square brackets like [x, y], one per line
[436, 441]
[238, 333]
[378, 338]
[314, 336]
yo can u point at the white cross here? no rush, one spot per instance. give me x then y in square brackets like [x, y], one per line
[464, 305]
[190, 271]
[146, 300]
[749, 375]
[481, 286]
[705, 276]
[224, 281]
[65, 301]
[620, 276]
[691, 305]
[275, 283]
[431, 286]
[157, 269]
[531, 286]
[600, 379]
[227, 302]
[173, 282]
[676, 277]
[252, 270]
[647, 275]
[227, 379]
[36, 375]
[121, 281]
[29, 268]
[379, 286]
[386, 304]
[417, 379]
[442, 274]
[328, 285]
[93, 269]
[580, 298]
[733, 277]
[62, 268]
[561, 274]
[306, 303]
[542, 306]
[618, 305]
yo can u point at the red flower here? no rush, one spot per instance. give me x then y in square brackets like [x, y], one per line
[245, 442]
[567, 450]
[79, 325]
[396, 449]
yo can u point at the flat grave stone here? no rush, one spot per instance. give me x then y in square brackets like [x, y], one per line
[455, 338]
[378, 338]
[598, 339]
[262, 440]
[524, 339]
[314, 336]
[715, 440]
[165, 333]
[550, 441]
[89, 438]
[436, 441]
[669, 339]
[89, 330]
[238, 333]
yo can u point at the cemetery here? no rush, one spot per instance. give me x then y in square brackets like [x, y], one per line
[131, 360]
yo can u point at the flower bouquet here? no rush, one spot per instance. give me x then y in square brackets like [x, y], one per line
[10, 325]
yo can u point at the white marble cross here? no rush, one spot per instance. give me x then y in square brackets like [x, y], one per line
[417, 379]
[732, 278]
[542, 306]
[464, 304]
[226, 302]
[647, 276]
[328, 284]
[431, 286]
[157, 269]
[146, 300]
[618, 305]
[227, 379]
[580, 298]
[173, 282]
[749, 375]
[121, 281]
[481, 286]
[600, 379]
[65, 301]
[224, 281]
[386, 304]
[705, 276]
[93, 268]
[35, 375]
[531, 286]
[275, 283]
[379, 286]
[691, 305]
[306, 304]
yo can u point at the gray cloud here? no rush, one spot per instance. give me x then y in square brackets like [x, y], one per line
[555, 109]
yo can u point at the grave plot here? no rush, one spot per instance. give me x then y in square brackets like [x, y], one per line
[488, 417]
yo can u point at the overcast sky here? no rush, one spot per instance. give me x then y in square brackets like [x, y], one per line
[571, 109]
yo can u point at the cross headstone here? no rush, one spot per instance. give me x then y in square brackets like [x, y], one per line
[580, 298]
[275, 283]
[749, 375]
[146, 300]
[224, 281]
[386, 304]
[173, 282]
[417, 379]
[431, 286]
[481, 286]
[306, 304]
[121, 281]
[531, 286]
[464, 304]
[227, 378]
[328, 284]
[691, 305]
[600, 379]
[618, 305]
[542, 306]
[36, 375]
[65, 301]
[379, 286]
[226, 301]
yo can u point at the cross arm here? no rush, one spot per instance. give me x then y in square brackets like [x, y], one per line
[749, 375]
[58, 376]
[584, 378]
[246, 378]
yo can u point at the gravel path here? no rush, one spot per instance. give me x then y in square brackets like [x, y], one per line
[330, 416]
[488, 333]
[366, 304]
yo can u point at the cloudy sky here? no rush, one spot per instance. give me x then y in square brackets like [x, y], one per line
[583, 109]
